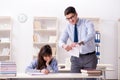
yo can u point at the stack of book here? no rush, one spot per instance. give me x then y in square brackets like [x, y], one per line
[7, 68]
[91, 72]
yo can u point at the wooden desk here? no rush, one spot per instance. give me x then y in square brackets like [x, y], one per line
[52, 76]
[103, 67]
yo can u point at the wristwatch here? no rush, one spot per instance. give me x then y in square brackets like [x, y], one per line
[81, 43]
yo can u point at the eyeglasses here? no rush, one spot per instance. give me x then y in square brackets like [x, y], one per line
[71, 17]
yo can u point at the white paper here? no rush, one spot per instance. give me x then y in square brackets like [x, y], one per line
[75, 51]
[35, 72]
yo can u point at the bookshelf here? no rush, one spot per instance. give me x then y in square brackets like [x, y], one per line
[5, 38]
[45, 32]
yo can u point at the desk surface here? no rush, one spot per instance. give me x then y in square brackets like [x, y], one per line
[53, 75]
[99, 66]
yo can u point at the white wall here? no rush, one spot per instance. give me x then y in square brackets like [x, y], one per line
[119, 48]
[107, 10]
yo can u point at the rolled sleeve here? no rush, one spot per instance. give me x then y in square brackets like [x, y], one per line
[64, 37]
[53, 67]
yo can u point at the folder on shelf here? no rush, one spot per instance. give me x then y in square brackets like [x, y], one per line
[54, 51]
[37, 25]
[36, 37]
[5, 51]
[2, 40]
[52, 39]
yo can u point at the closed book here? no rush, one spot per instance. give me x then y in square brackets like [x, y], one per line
[91, 71]
[7, 75]
[93, 74]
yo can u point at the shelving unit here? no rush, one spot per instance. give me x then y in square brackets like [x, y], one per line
[5, 38]
[118, 48]
[45, 32]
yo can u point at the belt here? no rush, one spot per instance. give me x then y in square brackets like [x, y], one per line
[87, 53]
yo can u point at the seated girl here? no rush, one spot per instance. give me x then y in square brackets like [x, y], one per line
[45, 63]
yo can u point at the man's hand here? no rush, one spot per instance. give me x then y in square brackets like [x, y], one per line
[67, 47]
[74, 45]
[81, 43]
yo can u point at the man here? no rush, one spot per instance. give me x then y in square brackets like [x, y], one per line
[81, 32]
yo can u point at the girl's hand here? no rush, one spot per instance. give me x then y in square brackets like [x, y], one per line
[48, 60]
[45, 71]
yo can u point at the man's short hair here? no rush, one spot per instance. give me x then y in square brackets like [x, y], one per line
[69, 10]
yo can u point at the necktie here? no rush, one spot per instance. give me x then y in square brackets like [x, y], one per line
[75, 34]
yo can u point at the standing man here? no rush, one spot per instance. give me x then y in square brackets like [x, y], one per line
[81, 32]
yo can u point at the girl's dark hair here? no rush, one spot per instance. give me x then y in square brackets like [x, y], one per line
[45, 51]
[69, 10]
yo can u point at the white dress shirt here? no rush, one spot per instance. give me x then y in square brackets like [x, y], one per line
[86, 33]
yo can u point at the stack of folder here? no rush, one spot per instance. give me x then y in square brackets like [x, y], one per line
[7, 69]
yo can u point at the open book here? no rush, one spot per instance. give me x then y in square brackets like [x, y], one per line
[36, 72]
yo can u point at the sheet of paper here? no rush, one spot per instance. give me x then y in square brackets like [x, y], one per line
[35, 73]
[75, 51]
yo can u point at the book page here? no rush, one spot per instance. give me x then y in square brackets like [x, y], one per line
[35, 72]
[52, 39]
[75, 51]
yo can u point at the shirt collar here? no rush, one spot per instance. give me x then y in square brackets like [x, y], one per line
[79, 22]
